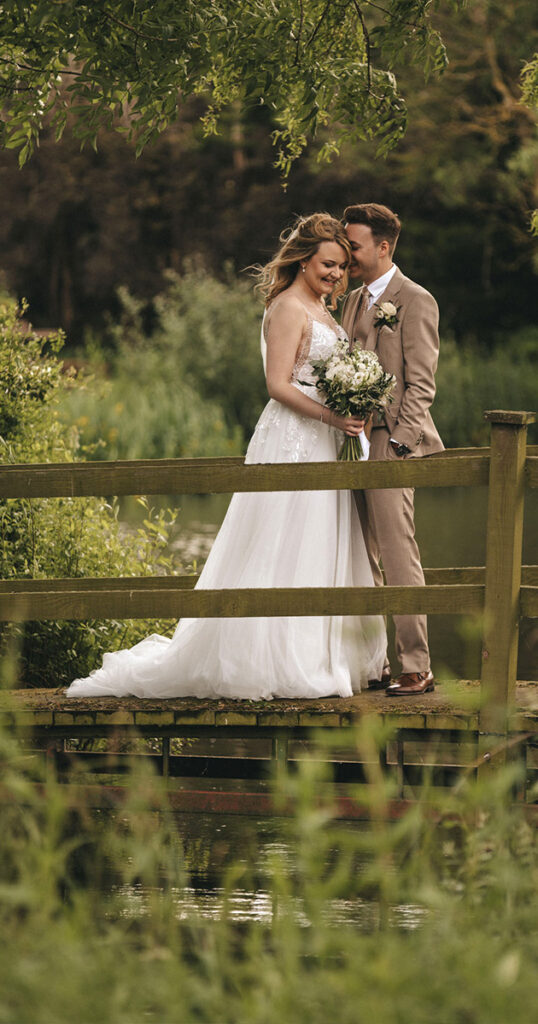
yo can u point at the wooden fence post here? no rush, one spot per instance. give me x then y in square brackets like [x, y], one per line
[503, 566]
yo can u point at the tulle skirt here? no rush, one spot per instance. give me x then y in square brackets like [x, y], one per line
[277, 539]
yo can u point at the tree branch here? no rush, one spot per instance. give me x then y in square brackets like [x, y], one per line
[300, 32]
[137, 32]
[16, 65]
[377, 7]
[367, 44]
[320, 23]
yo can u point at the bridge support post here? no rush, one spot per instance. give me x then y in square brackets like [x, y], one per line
[280, 749]
[503, 574]
[165, 759]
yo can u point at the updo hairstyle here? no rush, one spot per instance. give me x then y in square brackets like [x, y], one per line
[298, 244]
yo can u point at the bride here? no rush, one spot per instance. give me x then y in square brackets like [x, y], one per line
[283, 539]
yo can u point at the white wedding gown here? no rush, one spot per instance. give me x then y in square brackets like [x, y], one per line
[281, 539]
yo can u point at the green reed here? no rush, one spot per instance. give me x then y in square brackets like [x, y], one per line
[448, 926]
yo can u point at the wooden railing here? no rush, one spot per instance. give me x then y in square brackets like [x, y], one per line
[501, 593]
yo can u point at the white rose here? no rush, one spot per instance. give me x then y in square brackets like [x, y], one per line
[388, 309]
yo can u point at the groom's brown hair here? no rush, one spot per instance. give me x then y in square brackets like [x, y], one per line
[383, 223]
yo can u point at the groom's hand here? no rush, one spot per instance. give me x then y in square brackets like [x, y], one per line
[400, 449]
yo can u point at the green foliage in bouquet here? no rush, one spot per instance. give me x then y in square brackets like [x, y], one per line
[353, 384]
[61, 537]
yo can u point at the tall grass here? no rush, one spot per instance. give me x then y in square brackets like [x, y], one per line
[76, 948]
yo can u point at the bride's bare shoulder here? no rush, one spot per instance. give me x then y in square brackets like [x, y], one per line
[287, 308]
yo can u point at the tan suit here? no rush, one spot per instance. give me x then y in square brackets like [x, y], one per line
[410, 352]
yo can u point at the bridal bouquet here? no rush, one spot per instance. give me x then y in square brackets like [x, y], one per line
[354, 384]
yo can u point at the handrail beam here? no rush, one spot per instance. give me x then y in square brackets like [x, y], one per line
[139, 602]
[223, 476]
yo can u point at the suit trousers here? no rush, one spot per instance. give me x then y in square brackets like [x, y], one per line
[388, 523]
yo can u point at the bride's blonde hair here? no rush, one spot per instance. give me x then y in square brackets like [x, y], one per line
[299, 243]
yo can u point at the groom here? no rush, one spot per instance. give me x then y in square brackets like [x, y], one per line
[398, 320]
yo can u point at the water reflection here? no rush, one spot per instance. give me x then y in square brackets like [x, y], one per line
[233, 876]
[244, 905]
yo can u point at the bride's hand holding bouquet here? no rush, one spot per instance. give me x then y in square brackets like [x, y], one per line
[353, 384]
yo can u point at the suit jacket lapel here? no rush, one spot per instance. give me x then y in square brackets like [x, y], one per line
[366, 333]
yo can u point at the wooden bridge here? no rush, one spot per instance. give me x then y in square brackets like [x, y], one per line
[488, 719]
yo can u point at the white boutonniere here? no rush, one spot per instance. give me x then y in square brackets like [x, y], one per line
[386, 315]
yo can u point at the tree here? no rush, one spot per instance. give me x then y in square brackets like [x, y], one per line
[74, 225]
[529, 78]
[464, 178]
[127, 64]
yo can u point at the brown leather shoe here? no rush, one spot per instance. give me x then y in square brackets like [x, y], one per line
[381, 684]
[411, 683]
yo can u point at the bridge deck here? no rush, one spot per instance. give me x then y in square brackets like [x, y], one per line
[452, 707]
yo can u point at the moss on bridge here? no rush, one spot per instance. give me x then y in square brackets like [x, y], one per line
[453, 706]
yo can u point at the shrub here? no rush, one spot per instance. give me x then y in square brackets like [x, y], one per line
[61, 537]
[471, 380]
[191, 386]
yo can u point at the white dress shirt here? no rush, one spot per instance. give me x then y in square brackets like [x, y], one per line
[377, 287]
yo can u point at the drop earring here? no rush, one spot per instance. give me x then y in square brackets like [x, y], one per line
[303, 270]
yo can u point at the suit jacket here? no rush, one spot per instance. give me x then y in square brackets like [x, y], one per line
[410, 351]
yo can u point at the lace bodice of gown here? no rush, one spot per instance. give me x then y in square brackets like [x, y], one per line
[317, 342]
[297, 435]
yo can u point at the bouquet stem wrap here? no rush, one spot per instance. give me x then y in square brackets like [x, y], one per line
[351, 450]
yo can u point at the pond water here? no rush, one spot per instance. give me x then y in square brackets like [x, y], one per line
[214, 845]
[451, 531]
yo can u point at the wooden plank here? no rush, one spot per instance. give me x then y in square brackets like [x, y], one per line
[466, 574]
[259, 803]
[289, 719]
[205, 717]
[76, 718]
[474, 574]
[449, 453]
[114, 718]
[531, 471]
[511, 417]
[202, 766]
[216, 476]
[320, 719]
[98, 584]
[21, 605]
[236, 717]
[160, 719]
[529, 602]
[466, 720]
[503, 566]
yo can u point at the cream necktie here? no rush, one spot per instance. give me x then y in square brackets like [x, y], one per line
[364, 302]
[362, 308]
